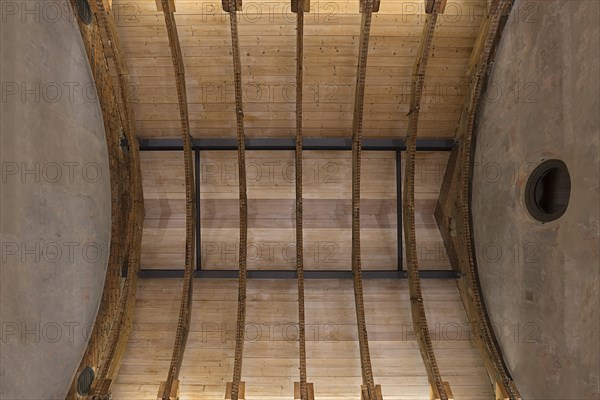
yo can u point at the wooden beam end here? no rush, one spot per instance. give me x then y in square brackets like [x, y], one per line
[102, 387]
[241, 391]
[442, 6]
[364, 393]
[430, 6]
[173, 392]
[227, 9]
[309, 388]
[170, 5]
[297, 3]
[435, 395]
[501, 392]
[376, 5]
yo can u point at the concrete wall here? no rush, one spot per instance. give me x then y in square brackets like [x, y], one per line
[541, 281]
[55, 220]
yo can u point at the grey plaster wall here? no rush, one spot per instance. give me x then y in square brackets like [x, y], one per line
[54, 201]
[541, 281]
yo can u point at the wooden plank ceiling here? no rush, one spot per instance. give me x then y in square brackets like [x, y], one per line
[327, 229]
[267, 45]
[271, 353]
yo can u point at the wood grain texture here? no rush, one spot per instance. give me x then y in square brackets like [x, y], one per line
[453, 211]
[183, 324]
[271, 352]
[327, 213]
[267, 44]
[419, 315]
[120, 164]
[121, 328]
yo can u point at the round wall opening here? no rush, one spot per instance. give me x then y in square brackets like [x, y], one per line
[84, 381]
[548, 190]
[84, 11]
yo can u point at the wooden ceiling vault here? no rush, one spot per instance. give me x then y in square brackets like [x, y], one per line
[267, 47]
[366, 69]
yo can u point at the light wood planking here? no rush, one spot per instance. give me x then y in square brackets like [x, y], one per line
[327, 211]
[429, 175]
[270, 356]
[267, 44]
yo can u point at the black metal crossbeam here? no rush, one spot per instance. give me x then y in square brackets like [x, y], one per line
[383, 144]
[291, 274]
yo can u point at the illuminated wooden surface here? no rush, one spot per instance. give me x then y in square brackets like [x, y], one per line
[271, 361]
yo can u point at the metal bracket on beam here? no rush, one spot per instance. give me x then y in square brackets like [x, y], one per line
[300, 3]
[238, 5]
[376, 4]
[170, 5]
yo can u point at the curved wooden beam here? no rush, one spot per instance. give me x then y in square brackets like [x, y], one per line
[439, 389]
[454, 217]
[110, 322]
[302, 389]
[369, 391]
[236, 389]
[122, 327]
[170, 388]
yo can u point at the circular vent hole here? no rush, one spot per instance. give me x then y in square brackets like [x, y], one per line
[548, 190]
[84, 11]
[84, 382]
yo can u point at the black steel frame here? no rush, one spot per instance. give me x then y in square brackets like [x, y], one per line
[371, 144]
[291, 274]
[383, 144]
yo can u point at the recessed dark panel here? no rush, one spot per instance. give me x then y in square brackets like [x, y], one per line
[548, 191]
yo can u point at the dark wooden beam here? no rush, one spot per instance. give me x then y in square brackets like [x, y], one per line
[453, 210]
[439, 388]
[369, 390]
[122, 326]
[169, 388]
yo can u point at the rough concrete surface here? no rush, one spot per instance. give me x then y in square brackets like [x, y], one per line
[54, 201]
[541, 281]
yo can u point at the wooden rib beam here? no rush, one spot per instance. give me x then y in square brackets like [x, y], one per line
[302, 389]
[303, 4]
[369, 391]
[438, 5]
[169, 388]
[420, 326]
[121, 168]
[160, 8]
[123, 325]
[453, 211]
[236, 5]
[237, 386]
